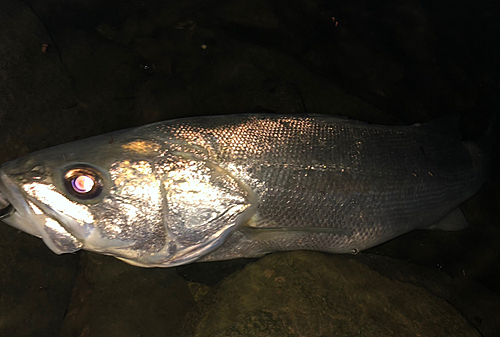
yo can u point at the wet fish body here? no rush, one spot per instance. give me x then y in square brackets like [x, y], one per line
[223, 187]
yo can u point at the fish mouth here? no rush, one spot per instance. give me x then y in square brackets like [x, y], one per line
[31, 217]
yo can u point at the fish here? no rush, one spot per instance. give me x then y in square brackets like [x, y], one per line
[240, 186]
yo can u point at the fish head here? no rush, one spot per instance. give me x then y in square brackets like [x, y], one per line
[134, 199]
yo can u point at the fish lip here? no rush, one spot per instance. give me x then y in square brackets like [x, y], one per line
[24, 219]
[14, 196]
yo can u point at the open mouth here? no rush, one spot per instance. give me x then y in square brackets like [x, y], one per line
[16, 207]
[26, 216]
[6, 208]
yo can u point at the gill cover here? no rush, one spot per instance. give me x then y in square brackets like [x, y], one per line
[204, 204]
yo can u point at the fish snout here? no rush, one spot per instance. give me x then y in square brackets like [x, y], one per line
[18, 212]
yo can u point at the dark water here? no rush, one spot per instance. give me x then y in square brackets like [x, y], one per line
[74, 69]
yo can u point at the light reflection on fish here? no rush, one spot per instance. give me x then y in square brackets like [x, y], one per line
[223, 187]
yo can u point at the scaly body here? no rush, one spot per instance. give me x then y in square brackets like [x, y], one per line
[222, 187]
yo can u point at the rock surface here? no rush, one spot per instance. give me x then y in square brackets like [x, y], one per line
[313, 294]
[112, 298]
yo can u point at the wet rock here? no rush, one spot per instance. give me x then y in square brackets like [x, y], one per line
[35, 285]
[112, 298]
[314, 294]
[476, 302]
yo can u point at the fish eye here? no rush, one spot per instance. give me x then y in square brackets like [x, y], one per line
[83, 182]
